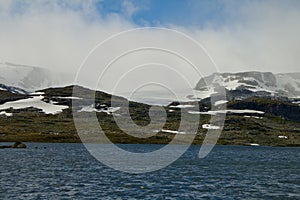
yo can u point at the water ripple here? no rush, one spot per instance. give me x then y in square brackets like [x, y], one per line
[67, 171]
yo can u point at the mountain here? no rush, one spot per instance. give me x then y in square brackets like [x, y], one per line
[8, 93]
[47, 116]
[251, 84]
[261, 108]
[13, 90]
[31, 78]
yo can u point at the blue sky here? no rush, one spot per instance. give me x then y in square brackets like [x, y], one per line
[164, 12]
[187, 13]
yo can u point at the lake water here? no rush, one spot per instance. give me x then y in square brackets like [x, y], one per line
[68, 171]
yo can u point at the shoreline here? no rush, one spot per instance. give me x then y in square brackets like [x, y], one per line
[193, 144]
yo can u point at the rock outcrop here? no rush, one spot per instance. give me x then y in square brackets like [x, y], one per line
[18, 145]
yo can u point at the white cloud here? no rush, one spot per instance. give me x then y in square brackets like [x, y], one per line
[262, 36]
[129, 8]
[59, 35]
[53, 36]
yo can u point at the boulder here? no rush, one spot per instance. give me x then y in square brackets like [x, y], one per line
[18, 145]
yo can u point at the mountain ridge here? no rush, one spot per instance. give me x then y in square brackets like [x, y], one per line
[260, 110]
[254, 83]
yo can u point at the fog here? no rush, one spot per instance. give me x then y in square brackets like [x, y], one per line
[261, 36]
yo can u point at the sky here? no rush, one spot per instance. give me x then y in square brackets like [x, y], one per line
[248, 35]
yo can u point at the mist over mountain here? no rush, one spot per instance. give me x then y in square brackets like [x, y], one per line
[261, 108]
[31, 78]
[23, 79]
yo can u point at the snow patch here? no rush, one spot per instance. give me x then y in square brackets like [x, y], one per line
[215, 112]
[256, 117]
[173, 132]
[209, 126]
[73, 98]
[182, 106]
[296, 102]
[88, 109]
[245, 111]
[35, 102]
[232, 85]
[220, 102]
[91, 108]
[282, 137]
[6, 114]
[37, 93]
[169, 131]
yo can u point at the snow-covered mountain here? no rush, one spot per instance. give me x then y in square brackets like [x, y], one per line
[31, 78]
[245, 84]
[11, 89]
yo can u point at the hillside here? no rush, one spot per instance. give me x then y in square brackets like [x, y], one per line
[46, 116]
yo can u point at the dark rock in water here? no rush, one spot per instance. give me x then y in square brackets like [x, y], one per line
[18, 145]
[15, 145]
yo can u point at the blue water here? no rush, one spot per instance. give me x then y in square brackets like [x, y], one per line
[68, 171]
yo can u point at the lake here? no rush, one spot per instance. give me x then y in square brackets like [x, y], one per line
[68, 171]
